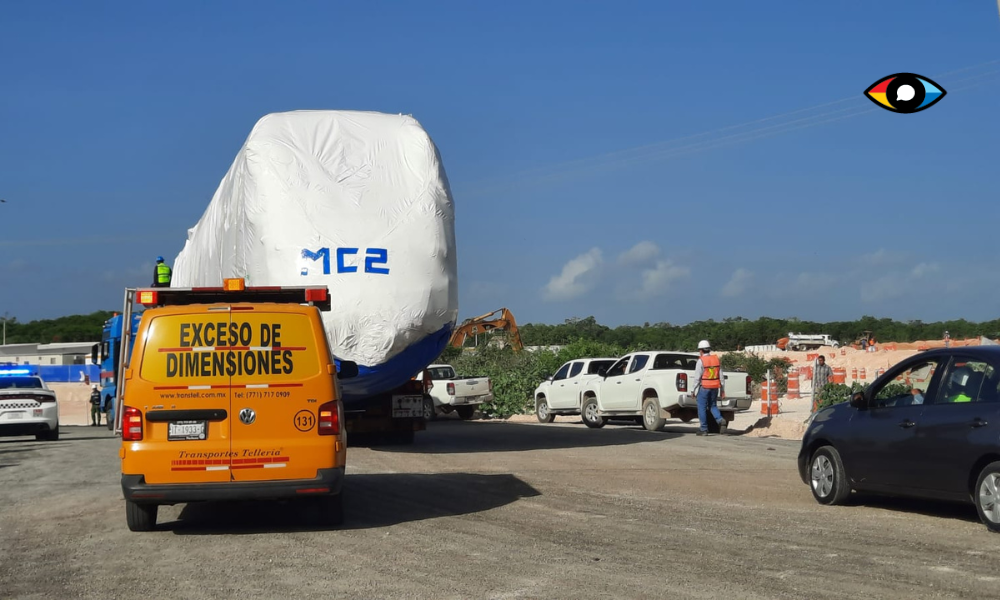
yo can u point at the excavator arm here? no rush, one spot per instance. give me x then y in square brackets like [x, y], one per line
[486, 324]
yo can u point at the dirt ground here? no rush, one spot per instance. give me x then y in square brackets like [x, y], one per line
[493, 510]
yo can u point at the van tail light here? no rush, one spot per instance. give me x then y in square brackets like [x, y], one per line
[749, 385]
[131, 424]
[682, 382]
[451, 389]
[329, 418]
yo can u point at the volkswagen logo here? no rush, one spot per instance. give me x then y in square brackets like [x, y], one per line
[248, 416]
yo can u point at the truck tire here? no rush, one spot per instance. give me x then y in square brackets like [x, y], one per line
[140, 517]
[429, 412]
[590, 416]
[542, 412]
[652, 417]
[465, 412]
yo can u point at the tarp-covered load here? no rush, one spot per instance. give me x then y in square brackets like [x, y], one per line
[356, 201]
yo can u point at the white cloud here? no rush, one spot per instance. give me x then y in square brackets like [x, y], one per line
[923, 269]
[578, 276]
[656, 281]
[738, 283]
[641, 253]
[881, 258]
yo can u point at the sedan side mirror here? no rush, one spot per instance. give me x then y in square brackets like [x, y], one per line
[347, 370]
[858, 400]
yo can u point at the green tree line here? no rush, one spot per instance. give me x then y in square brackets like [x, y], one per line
[736, 333]
[72, 328]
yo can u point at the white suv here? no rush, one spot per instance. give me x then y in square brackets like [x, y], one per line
[27, 406]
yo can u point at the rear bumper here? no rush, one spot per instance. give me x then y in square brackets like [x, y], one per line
[736, 404]
[27, 427]
[135, 489]
[466, 400]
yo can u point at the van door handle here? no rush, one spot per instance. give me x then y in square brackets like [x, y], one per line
[978, 422]
[906, 424]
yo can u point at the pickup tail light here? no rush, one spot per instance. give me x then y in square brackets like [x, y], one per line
[749, 386]
[451, 389]
[329, 418]
[491, 385]
[132, 424]
[682, 382]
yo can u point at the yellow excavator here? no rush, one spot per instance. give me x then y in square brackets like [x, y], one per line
[486, 324]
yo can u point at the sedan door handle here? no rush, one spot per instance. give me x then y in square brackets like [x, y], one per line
[906, 424]
[977, 422]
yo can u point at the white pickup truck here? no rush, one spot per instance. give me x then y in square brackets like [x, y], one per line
[562, 394]
[655, 386]
[447, 392]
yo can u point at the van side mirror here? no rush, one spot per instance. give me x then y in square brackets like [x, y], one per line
[858, 400]
[347, 370]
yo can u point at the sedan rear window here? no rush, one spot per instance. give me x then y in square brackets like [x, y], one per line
[21, 383]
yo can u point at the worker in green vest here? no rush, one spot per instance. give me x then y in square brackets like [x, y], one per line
[162, 273]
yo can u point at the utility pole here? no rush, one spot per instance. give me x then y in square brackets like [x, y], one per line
[5, 328]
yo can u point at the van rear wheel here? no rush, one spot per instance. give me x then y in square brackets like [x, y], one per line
[329, 509]
[140, 517]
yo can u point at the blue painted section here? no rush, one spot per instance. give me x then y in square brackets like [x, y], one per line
[397, 370]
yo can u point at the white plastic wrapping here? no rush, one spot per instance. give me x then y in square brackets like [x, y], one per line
[357, 201]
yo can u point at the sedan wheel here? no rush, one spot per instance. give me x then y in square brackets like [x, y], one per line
[827, 478]
[987, 496]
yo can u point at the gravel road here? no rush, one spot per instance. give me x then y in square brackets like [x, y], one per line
[493, 510]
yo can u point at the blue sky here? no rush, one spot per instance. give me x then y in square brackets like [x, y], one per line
[635, 161]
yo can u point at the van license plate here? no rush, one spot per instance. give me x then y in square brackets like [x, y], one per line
[186, 430]
[407, 407]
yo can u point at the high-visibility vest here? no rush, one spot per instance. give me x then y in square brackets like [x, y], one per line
[162, 273]
[711, 377]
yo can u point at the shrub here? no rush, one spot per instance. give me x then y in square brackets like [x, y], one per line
[835, 393]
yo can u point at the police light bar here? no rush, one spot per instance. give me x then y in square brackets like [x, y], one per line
[14, 372]
[234, 291]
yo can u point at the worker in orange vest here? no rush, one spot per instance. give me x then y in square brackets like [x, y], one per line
[708, 388]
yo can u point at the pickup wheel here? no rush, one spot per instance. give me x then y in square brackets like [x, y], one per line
[652, 417]
[465, 412]
[590, 414]
[542, 411]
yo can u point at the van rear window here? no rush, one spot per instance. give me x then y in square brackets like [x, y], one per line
[221, 349]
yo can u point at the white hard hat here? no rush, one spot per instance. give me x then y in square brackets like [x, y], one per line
[703, 344]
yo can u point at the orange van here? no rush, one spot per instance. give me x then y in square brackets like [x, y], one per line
[231, 393]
